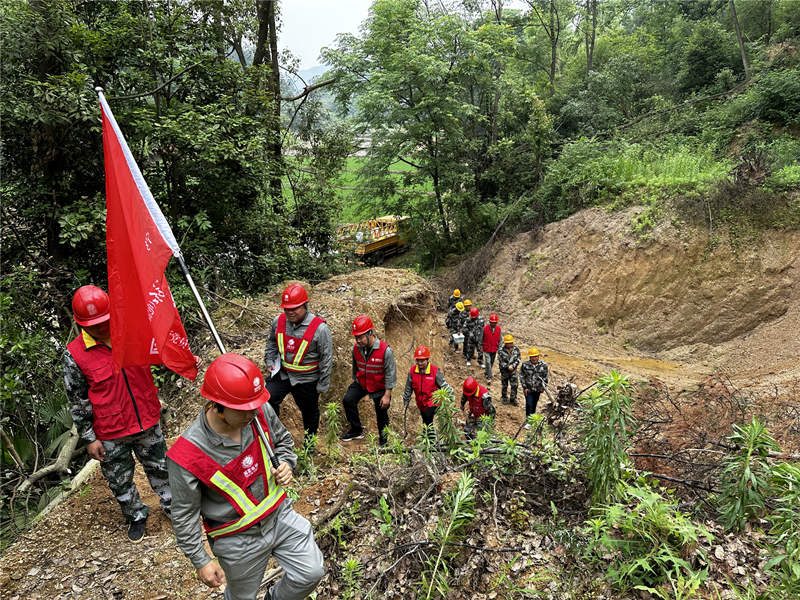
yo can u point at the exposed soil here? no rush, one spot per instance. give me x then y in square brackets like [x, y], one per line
[671, 311]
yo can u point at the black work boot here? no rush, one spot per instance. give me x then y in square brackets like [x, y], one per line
[136, 530]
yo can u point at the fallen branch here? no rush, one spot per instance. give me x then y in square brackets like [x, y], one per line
[60, 465]
[686, 482]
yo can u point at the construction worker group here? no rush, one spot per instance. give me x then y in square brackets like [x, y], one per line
[228, 470]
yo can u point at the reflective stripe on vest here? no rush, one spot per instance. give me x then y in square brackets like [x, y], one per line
[212, 474]
[296, 364]
[251, 512]
[369, 371]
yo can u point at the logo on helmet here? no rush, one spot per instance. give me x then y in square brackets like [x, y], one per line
[256, 384]
[286, 296]
[91, 309]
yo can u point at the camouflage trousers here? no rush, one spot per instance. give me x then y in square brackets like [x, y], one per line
[507, 378]
[118, 466]
[470, 344]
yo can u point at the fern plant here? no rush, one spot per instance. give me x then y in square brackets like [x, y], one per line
[460, 512]
[744, 481]
[606, 432]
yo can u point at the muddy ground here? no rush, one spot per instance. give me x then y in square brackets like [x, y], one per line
[670, 311]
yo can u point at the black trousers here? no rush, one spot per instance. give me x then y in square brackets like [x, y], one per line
[305, 397]
[352, 397]
[427, 415]
[531, 400]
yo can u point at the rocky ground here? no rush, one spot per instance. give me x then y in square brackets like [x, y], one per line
[708, 334]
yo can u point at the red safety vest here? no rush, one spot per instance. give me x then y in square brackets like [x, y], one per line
[292, 349]
[491, 341]
[233, 480]
[123, 403]
[369, 372]
[476, 403]
[424, 384]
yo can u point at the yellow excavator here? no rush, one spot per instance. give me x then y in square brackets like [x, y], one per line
[374, 240]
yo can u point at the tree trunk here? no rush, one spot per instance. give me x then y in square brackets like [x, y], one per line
[745, 64]
[590, 33]
[440, 205]
[553, 46]
[266, 52]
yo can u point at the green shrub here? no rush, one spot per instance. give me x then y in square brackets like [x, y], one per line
[745, 476]
[647, 537]
[606, 428]
[784, 542]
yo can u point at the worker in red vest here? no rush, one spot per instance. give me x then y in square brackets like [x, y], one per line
[424, 379]
[374, 374]
[220, 471]
[299, 354]
[491, 342]
[480, 404]
[117, 414]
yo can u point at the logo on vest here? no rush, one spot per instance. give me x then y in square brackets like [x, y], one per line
[290, 344]
[249, 465]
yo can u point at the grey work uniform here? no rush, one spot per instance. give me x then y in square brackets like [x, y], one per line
[243, 556]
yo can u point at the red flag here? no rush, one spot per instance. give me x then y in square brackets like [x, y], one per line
[146, 328]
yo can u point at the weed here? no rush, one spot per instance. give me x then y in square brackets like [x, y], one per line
[305, 458]
[351, 578]
[460, 512]
[446, 418]
[332, 431]
[647, 536]
[785, 531]
[384, 515]
[606, 429]
[744, 480]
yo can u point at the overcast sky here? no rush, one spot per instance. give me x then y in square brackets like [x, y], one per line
[308, 25]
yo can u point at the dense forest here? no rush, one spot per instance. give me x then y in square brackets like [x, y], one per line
[481, 119]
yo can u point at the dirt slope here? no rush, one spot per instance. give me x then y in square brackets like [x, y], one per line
[676, 306]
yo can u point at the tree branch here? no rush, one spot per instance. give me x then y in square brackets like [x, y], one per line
[159, 88]
[12, 450]
[308, 89]
[59, 466]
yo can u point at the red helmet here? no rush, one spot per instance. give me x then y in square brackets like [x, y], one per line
[234, 381]
[493, 318]
[474, 313]
[90, 306]
[362, 324]
[470, 386]
[422, 352]
[293, 296]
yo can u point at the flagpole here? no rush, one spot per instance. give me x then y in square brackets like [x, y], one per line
[178, 255]
[200, 302]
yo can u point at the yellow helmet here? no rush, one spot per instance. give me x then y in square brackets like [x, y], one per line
[508, 339]
[533, 352]
[467, 302]
[459, 306]
[457, 293]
